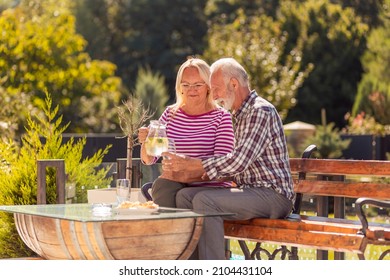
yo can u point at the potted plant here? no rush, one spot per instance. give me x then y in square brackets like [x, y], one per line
[132, 115]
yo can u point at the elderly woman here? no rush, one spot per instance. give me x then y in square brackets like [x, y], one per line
[199, 127]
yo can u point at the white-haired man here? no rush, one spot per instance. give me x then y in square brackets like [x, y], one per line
[259, 163]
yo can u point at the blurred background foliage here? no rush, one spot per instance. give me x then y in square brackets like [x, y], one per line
[303, 56]
[273, 70]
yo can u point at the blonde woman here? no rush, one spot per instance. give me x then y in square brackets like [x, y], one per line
[199, 127]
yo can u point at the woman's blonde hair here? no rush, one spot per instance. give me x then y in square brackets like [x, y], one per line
[204, 72]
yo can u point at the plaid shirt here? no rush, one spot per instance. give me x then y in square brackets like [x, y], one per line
[260, 157]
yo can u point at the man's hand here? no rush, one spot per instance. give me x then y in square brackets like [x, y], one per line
[181, 168]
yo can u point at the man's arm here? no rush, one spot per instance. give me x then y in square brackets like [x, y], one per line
[182, 168]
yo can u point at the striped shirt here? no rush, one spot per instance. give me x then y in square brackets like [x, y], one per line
[201, 136]
[260, 157]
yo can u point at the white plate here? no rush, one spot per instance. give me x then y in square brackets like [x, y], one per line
[135, 210]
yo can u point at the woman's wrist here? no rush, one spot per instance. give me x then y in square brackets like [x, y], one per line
[145, 157]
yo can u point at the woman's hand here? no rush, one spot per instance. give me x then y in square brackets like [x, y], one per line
[142, 134]
[174, 162]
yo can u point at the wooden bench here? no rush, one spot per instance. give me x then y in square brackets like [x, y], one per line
[321, 178]
[368, 181]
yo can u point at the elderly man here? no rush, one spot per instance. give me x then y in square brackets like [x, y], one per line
[259, 163]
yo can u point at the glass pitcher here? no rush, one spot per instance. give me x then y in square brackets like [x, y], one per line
[157, 140]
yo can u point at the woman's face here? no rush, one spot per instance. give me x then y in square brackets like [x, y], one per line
[193, 87]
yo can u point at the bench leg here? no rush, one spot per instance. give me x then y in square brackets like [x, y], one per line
[294, 254]
[382, 256]
[228, 252]
[245, 250]
[255, 254]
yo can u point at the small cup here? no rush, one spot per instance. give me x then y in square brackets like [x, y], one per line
[122, 190]
[171, 146]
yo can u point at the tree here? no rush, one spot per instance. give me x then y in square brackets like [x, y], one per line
[373, 95]
[258, 43]
[333, 40]
[135, 34]
[132, 115]
[40, 50]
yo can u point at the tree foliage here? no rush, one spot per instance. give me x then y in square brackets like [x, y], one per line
[328, 141]
[40, 50]
[259, 44]
[136, 34]
[11, 106]
[151, 90]
[368, 10]
[227, 10]
[333, 39]
[373, 96]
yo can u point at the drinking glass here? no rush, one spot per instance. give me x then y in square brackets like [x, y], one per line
[122, 190]
[171, 146]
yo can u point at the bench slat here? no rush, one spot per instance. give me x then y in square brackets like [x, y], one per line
[341, 167]
[338, 240]
[303, 222]
[378, 236]
[310, 231]
[343, 188]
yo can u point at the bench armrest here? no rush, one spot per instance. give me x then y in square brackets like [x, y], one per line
[360, 202]
[309, 150]
[145, 190]
[302, 176]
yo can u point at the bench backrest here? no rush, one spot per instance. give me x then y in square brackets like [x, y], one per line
[360, 178]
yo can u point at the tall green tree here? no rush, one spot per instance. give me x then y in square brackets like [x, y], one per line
[40, 51]
[373, 96]
[259, 44]
[333, 39]
[138, 33]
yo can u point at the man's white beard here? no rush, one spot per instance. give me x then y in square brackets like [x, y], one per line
[227, 102]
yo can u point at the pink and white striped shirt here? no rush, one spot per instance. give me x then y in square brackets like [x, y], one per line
[201, 136]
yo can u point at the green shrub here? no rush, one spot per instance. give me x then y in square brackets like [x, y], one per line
[328, 141]
[18, 171]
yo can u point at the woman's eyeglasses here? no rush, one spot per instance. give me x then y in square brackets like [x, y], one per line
[197, 86]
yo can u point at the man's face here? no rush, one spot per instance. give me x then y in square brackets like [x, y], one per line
[222, 93]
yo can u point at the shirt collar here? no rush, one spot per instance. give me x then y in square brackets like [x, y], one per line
[246, 104]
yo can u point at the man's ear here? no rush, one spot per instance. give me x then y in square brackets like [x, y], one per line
[234, 83]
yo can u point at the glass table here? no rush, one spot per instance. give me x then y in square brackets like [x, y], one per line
[102, 231]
